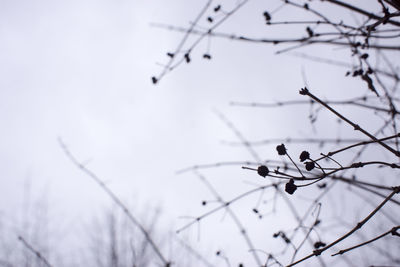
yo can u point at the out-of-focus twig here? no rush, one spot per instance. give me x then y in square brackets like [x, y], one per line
[34, 251]
[117, 201]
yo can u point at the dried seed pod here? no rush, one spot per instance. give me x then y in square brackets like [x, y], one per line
[310, 165]
[304, 156]
[290, 187]
[281, 149]
[263, 170]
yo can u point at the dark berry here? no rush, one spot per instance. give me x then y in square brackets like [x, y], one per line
[267, 16]
[310, 32]
[217, 8]
[281, 149]
[187, 58]
[304, 155]
[303, 91]
[285, 238]
[319, 244]
[310, 165]
[262, 170]
[290, 187]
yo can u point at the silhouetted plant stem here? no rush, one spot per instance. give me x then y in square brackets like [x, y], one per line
[356, 127]
[34, 251]
[392, 231]
[180, 45]
[375, 31]
[297, 167]
[308, 233]
[361, 11]
[358, 144]
[235, 218]
[318, 252]
[214, 210]
[116, 200]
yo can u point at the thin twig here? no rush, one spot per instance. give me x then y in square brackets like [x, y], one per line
[34, 251]
[392, 231]
[318, 252]
[116, 200]
[356, 127]
[235, 218]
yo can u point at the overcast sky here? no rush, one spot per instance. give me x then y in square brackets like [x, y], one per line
[80, 71]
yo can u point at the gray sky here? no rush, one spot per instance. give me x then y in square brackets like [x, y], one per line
[80, 70]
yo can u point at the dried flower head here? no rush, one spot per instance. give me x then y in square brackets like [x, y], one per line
[281, 149]
[319, 244]
[267, 16]
[304, 156]
[310, 165]
[290, 187]
[263, 170]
